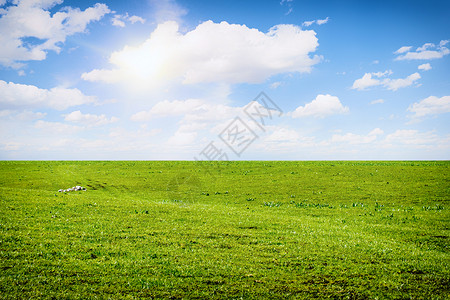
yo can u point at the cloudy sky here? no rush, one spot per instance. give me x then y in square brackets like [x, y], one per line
[149, 79]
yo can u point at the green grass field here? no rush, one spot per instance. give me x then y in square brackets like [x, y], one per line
[233, 230]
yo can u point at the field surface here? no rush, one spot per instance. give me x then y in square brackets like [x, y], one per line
[231, 230]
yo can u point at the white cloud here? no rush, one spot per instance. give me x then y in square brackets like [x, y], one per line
[281, 139]
[167, 10]
[282, 134]
[391, 84]
[322, 106]
[21, 95]
[288, 4]
[11, 146]
[321, 22]
[116, 21]
[403, 49]
[376, 131]
[424, 67]
[28, 116]
[195, 113]
[382, 74]
[378, 101]
[89, 119]
[212, 52]
[412, 138]
[275, 84]
[195, 116]
[23, 116]
[27, 19]
[58, 128]
[365, 82]
[395, 84]
[425, 52]
[182, 138]
[352, 138]
[135, 19]
[430, 106]
[5, 113]
[119, 20]
[169, 108]
[318, 22]
[426, 46]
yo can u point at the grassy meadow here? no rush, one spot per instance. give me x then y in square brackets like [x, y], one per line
[229, 230]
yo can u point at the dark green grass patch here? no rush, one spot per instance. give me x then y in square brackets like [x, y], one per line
[232, 230]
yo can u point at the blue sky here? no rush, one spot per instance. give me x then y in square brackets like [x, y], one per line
[353, 80]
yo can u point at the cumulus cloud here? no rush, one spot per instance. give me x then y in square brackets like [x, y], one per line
[212, 52]
[430, 106]
[119, 20]
[22, 95]
[368, 81]
[352, 138]
[135, 19]
[365, 82]
[425, 52]
[89, 119]
[424, 67]
[28, 30]
[322, 106]
[318, 22]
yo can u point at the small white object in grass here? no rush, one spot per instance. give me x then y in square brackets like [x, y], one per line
[74, 188]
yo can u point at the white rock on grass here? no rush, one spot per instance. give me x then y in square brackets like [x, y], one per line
[74, 188]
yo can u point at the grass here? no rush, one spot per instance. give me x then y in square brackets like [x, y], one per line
[233, 230]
